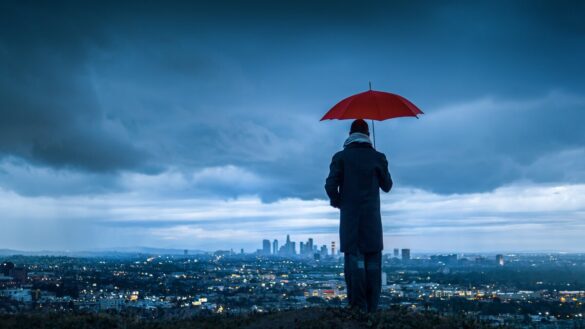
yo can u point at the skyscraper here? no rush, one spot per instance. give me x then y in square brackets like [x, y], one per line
[405, 255]
[275, 247]
[332, 248]
[266, 247]
[323, 251]
[500, 260]
[396, 253]
[288, 249]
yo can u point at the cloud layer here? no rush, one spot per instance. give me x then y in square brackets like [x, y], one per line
[168, 104]
[512, 218]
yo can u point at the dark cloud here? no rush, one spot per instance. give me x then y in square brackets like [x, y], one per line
[480, 145]
[48, 105]
[110, 87]
[18, 175]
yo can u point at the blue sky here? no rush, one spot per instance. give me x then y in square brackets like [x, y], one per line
[196, 125]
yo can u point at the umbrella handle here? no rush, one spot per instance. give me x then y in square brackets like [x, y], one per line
[374, 133]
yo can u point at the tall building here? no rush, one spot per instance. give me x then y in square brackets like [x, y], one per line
[266, 247]
[288, 249]
[333, 248]
[275, 247]
[323, 251]
[287, 246]
[185, 252]
[384, 279]
[405, 255]
[500, 260]
[308, 249]
[396, 253]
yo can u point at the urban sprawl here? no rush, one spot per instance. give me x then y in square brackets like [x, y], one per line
[547, 289]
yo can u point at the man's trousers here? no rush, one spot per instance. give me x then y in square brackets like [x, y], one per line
[363, 279]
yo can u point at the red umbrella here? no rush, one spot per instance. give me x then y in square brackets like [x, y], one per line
[374, 105]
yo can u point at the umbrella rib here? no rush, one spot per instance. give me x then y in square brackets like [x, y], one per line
[377, 106]
[347, 107]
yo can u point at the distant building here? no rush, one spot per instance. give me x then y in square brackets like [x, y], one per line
[266, 247]
[111, 304]
[384, 279]
[18, 294]
[500, 260]
[405, 255]
[19, 274]
[6, 268]
[480, 259]
[222, 253]
[323, 251]
[396, 253]
[445, 259]
[275, 247]
[186, 252]
[289, 248]
[333, 248]
[307, 249]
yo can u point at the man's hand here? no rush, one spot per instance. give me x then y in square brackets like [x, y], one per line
[334, 203]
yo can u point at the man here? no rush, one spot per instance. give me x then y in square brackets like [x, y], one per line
[356, 175]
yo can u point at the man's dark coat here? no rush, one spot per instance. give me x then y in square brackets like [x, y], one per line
[356, 175]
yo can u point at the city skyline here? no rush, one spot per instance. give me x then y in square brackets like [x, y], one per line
[275, 248]
[519, 290]
[196, 125]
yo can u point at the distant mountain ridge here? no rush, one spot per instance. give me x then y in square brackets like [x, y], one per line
[110, 252]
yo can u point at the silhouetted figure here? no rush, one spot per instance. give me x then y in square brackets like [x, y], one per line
[356, 175]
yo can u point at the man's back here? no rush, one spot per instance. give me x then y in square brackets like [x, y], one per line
[356, 175]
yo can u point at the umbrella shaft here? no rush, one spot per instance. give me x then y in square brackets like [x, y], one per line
[374, 133]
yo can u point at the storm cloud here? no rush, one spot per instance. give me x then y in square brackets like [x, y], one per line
[221, 100]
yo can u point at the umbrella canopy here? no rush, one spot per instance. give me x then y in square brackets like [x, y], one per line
[374, 105]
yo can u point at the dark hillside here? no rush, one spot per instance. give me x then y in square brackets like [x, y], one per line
[311, 318]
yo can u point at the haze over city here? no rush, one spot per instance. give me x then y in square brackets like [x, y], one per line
[196, 126]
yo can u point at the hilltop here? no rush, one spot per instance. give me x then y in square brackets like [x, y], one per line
[311, 318]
